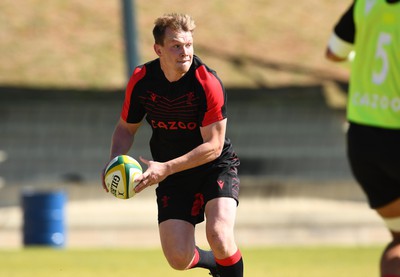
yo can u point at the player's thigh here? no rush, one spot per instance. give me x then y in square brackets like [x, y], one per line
[177, 237]
[220, 215]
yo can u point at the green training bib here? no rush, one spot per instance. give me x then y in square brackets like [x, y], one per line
[374, 97]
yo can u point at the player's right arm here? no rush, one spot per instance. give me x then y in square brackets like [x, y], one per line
[124, 132]
[122, 140]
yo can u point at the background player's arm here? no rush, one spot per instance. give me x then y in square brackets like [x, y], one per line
[333, 57]
[338, 50]
[211, 148]
[341, 42]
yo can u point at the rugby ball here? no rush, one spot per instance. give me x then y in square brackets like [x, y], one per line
[120, 174]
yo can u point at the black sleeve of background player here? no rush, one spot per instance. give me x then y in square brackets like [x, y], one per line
[345, 28]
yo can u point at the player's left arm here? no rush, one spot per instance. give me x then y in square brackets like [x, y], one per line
[340, 44]
[213, 142]
[211, 148]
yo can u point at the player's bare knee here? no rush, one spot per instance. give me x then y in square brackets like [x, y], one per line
[215, 237]
[219, 235]
[220, 243]
[178, 264]
[179, 260]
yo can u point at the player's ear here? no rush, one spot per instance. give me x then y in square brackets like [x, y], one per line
[157, 49]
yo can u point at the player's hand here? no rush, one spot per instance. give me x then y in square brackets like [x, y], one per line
[155, 173]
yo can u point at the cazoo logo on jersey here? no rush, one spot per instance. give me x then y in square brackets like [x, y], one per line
[173, 125]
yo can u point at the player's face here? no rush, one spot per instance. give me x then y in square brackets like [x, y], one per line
[176, 55]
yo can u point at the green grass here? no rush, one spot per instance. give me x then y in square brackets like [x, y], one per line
[271, 261]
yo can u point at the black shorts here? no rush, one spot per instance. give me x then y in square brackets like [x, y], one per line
[374, 155]
[185, 196]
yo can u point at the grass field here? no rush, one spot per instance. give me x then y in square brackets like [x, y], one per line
[272, 262]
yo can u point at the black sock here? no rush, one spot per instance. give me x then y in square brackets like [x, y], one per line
[232, 266]
[204, 259]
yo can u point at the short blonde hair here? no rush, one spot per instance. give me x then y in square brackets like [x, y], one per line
[175, 21]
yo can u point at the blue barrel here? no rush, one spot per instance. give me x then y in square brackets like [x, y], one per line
[43, 218]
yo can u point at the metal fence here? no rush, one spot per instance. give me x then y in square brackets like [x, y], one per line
[64, 135]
